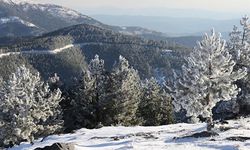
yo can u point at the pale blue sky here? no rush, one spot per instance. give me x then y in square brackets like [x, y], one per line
[138, 7]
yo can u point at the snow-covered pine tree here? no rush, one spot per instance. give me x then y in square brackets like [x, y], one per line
[155, 104]
[207, 78]
[166, 108]
[235, 43]
[125, 93]
[97, 71]
[239, 45]
[28, 109]
[82, 113]
[246, 29]
[55, 82]
[89, 94]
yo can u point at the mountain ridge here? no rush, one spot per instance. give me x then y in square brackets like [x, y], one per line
[50, 17]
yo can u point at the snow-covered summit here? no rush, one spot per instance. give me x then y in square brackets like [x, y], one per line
[55, 10]
[18, 1]
[58, 11]
[156, 138]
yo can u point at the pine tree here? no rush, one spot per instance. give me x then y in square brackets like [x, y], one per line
[55, 82]
[155, 104]
[246, 29]
[207, 78]
[239, 43]
[239, 46]
[166, 108]
[82, 113]
[97, 71]
[86, 102]
[235, 44]
[28, 108]
[125, 93]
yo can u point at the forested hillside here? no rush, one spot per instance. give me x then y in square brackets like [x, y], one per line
[147, 56]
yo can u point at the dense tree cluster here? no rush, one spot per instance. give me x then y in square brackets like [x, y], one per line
[116, 98]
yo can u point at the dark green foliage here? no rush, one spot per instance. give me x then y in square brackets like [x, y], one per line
[67, 64]
[125, 94]
[112, 98]
[86, 97]
[10, 63]
[144, 55]
[155, 107]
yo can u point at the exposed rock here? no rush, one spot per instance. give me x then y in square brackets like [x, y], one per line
[238, 138]
[58, 146]
[226, 110]
[148, 135]
[225, 128]
[200, 135]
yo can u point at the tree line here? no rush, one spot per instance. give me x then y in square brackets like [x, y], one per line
[31, 108]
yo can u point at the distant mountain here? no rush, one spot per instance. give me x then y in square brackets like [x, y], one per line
[26, 18]
[188, 41]
[171, 25]
[42, 17]
[147, 56]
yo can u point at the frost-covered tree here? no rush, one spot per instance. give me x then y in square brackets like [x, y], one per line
[28, 108]
[89, 94]
[125, 93]
[55, 82]
[155, 104]
[82, 113]
[97, 71]
[235, 43]
[246, 29]
[239, 45]
[207, 78]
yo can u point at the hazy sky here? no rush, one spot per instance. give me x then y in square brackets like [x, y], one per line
[125, 6]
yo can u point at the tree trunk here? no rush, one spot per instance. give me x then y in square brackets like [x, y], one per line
[210, 124]
[243, 36]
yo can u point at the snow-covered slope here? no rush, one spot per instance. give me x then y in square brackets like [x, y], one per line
[45, 17]
[151, 138]
[14, 19]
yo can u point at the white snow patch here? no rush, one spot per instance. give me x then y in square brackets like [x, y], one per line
[62, 12]
[162, 138]
[124, 28]
[167, 51]
[5, 20]
[54, 51]
[18, 1]
[54, 10]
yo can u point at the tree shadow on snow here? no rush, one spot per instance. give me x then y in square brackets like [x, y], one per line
[108, 144]
[193, 136]
[219, 147]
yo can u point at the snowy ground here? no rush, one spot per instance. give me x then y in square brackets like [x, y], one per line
[151, 138]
